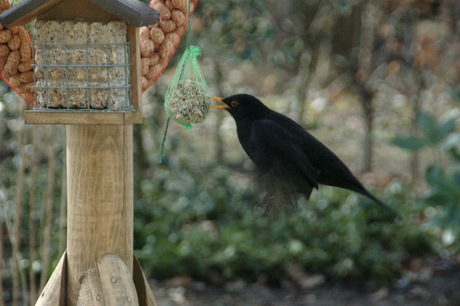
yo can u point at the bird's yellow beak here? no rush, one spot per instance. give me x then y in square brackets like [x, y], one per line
[219, 106]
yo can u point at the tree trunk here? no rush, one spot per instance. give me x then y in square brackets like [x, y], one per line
[414, 159]
[362, 76]
[367, 145]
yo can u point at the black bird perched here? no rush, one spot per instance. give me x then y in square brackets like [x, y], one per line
[291, 159]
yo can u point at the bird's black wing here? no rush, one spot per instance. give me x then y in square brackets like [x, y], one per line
[278, 150]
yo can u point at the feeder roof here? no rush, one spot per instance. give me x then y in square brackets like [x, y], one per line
[132, 11]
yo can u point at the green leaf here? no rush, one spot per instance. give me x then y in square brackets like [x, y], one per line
[456, 95]
[456, 178]
[455, 154]
[436, 178]
[433, 174]
[451, 145]
[408, 142]
[427, 125]
[451, 142]
[445, 127]
[434, 199]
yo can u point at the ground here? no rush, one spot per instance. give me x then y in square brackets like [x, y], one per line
[443, 288]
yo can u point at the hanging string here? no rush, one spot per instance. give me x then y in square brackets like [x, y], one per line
[189, 23]
[162, 147]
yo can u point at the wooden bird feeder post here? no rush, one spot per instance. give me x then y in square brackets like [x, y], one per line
[87, 77]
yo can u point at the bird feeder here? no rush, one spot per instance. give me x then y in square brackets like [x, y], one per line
[87, 76]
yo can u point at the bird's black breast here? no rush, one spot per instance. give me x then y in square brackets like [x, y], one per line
[255, 145]
[277, 148]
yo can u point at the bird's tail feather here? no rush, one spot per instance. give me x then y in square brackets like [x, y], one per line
[366, 193]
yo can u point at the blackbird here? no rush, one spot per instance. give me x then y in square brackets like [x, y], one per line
[290, 159]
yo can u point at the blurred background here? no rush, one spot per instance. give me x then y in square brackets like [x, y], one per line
[376, 81]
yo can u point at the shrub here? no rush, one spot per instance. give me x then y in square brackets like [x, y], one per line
[441, 202]
[201, 223]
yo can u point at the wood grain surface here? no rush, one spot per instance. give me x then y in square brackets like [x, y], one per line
[82, 117]
[109, 283]
[100, 199]
[54, 291]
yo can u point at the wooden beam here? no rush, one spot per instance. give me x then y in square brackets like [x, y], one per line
[99, 199]
[135, 57]
[81, 9]
[132, 11]
[82, 117]
[25, 12]
[110, 283]
[54, 291]
[144, 293]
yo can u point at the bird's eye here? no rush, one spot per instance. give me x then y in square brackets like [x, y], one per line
[234, 104]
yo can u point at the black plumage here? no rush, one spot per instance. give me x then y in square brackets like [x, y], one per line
[290, 159]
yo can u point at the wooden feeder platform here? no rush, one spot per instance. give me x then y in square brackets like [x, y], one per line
[82, 117]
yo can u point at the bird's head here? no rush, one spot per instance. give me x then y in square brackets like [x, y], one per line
[241, 106]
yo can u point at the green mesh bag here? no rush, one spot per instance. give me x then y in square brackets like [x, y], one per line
[187, 98]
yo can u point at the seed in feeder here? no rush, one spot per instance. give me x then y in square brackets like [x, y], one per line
[167, 25]
[5, 35]
[48, 31]
[155, 58]
[145, 62]
[78, 79]
[12, 63]
[28, 87]
[14, 29]
[182, 5]
[57, 96]
[188, 102]
[178, 17]
[145, 83]
[147, 46]
[24, 48]
[157, 35]
[168, 46]
[159, 6]
[26, 77]
[169, 5]
[117, 31]
[14, 42]
[144, 32]
[155, 71]
[75, 32]
[15, 81]
[25, 66]
[4, 50]
[3, 60]
[97, 33]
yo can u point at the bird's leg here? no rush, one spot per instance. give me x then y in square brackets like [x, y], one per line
[266, 202]
[288, 203]
[287, 195]
[269, 205]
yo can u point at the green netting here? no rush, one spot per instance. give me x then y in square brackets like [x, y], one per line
[187, 98]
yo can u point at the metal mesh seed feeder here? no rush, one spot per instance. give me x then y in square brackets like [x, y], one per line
[82, 65]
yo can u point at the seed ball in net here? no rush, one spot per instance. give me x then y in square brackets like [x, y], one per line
[188, 102]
